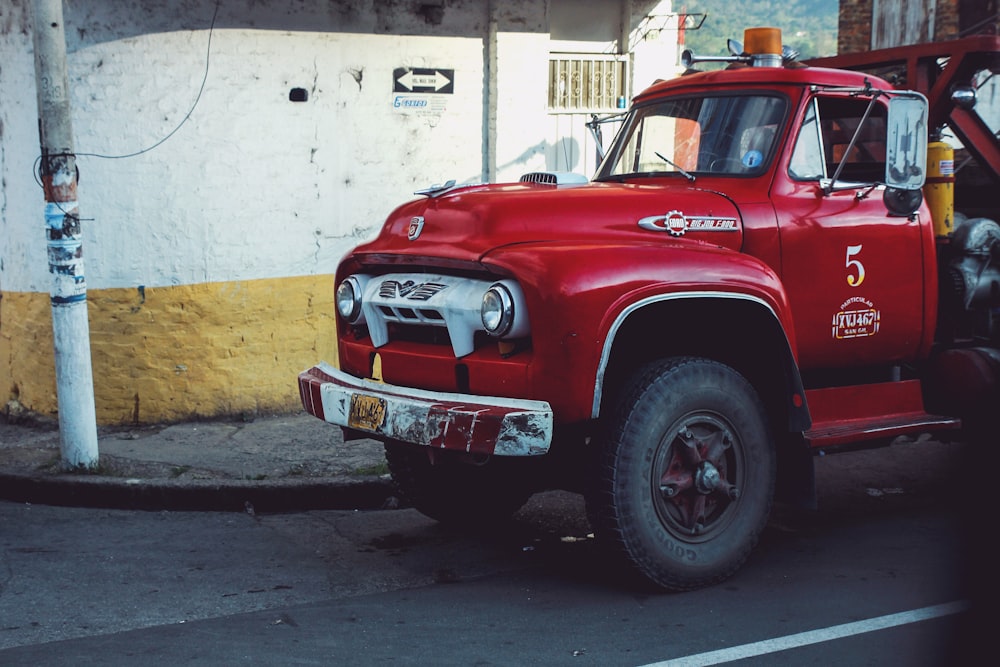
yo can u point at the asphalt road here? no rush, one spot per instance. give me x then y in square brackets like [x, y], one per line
[873, 577]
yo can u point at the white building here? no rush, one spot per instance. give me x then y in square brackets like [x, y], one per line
[210, 242]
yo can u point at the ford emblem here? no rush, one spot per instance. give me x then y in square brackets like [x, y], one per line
[416, 226]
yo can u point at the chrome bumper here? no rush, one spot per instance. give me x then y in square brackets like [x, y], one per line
[460, 422]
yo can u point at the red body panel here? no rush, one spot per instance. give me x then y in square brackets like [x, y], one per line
[467, 223]
[566, 283]
[824, 239]
[881, 411]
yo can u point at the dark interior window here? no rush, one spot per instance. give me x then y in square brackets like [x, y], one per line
[820, 148]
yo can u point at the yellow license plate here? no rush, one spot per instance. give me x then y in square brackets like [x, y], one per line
[367, 412]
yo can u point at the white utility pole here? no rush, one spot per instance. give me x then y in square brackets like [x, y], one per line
[68, 295]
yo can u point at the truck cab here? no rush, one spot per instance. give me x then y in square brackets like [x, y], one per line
[751, 277]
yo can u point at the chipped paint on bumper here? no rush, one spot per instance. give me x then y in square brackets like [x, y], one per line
[460, 422]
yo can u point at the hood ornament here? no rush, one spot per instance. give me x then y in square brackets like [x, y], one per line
[437, 189]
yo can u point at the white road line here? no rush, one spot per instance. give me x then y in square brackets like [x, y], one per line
[815, 636]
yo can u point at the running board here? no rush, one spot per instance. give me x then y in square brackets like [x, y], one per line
[845, 415]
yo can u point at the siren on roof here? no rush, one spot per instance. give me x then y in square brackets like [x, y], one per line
[761, 48]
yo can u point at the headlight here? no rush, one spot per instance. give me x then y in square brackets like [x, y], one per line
[349, 300]
[498, 310]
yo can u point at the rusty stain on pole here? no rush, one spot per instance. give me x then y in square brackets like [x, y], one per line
[68, 294]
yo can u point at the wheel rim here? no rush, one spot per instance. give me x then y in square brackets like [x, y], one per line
[697, 476]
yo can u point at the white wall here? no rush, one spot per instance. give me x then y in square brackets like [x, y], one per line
[20, 197]
[252, 185]
[519, 62]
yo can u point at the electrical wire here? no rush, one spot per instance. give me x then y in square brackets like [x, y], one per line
[208, 59]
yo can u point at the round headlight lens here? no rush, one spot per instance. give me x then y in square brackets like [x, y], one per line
[349, 300]
[497, 310]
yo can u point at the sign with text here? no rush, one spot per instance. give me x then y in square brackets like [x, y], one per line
[419, 103]
[423, 80]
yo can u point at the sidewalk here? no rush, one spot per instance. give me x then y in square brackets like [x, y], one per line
[280, 463]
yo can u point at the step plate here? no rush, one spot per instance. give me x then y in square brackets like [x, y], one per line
[844, 433]
[842, 415]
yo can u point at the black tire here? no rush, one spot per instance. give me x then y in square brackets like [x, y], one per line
[453, 489]
[687, 439]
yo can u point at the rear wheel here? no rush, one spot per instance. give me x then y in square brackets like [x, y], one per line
[685, 477]
[456, 489]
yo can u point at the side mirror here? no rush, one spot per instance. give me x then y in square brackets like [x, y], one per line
[906, 142]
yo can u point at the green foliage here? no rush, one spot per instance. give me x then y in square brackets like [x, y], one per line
[808, 26]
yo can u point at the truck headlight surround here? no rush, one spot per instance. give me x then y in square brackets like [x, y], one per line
[348, 299]
[497, 310]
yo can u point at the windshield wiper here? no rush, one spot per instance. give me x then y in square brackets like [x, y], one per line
[621, 178]
[688, 175]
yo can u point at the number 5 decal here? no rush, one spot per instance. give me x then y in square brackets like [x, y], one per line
[855, 265]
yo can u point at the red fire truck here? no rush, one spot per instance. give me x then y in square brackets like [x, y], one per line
[761, 269]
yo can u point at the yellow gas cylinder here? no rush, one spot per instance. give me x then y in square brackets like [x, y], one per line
[939, 190]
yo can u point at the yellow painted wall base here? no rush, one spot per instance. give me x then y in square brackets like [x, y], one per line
[171, 353]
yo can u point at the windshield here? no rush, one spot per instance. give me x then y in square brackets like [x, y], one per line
[733, 135]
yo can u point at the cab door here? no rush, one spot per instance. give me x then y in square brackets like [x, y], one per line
[854, 273]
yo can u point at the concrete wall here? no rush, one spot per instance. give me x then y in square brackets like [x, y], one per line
[209, 256]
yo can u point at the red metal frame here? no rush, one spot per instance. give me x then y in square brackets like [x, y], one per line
[925, 74]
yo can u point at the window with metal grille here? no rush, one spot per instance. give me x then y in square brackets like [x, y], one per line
[587, 82]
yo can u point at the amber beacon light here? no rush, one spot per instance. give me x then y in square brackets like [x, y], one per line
[761, 48]
[764, 44]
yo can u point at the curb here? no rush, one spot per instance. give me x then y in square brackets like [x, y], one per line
[210, 496]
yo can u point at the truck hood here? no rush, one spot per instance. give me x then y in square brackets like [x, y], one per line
[467, 223]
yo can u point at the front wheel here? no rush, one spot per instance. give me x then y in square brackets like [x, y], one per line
[685, 475]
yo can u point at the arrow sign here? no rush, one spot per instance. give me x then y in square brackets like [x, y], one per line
[423, 80]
